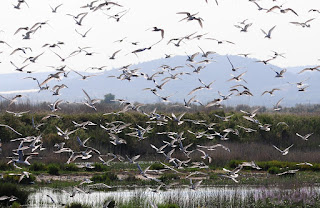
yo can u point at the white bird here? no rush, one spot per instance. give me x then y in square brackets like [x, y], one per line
[268, 35]
[285, 151]
[305, 137]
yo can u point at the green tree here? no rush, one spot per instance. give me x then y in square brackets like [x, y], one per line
[108, 98]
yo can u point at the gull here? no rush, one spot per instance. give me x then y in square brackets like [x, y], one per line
[221, 41]
[1, 41]
[84, 77]
[106, 3]
[199, 134]
[288, 172]
[12, 129]
[270, 92]
[251, 119]
[237, 78]
[83, 144]
[157, 189]
[233, 69]
[83, 35]
[114, 54]
[233, 173]
[116, 139]
[178, 119]
[55, 106]
[50, 116]
[196, 69]
[53, 45]
[54, 10]
[206, 54]
[33, 58]
[303, 24]
[117, 16]
[61, 148]
[244, 28]
[194, 186]
[90, 102]
[23, 49]
[205, 155]
[213, 147]
[156, 29]
[79, 22]
[277, 107]
[83, 124]
[19, 4]
[316, 68]
[305, 137]
[160, 149]
[21, 158]
[23, 175]
[191, 58]
[223, 118]
[259, 7]
[187, 104]
[19, 68]
[65, 134]
[268, 35]
[133, 159]
[12, 100]
[143, 172]
[314, 10]
[61, 58]
[279, 74]
[265, 61]
[264, 127]
[282, 123]
[282, 10]
[285, 151]
[305, 163]
[191, 17]
[17, 114]
[21, 28]
[57, 88]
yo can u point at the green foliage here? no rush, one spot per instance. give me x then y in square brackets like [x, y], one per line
[4, 166]
[167, 177]
[100, 167]
[156, 166]
[274, 170]
[16, 205]
[36, 166]
[104, 178]
[9, 189]
[53, 169]
[70, 167]
[77, 205]
[108, 98]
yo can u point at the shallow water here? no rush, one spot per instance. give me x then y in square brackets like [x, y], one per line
[184, 196]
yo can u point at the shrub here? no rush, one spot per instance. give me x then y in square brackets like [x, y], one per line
[15, 179]
[70, 167]
[274, 170]
[77, 205]
[53, 169]
[104, 178]
[100, 167]
[10, 189]
[168, 177]
[4, 166]
[156, 166]
[36, 166]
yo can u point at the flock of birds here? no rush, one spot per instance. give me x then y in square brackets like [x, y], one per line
[31, 146]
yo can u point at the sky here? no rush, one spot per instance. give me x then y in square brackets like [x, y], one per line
[299, 45]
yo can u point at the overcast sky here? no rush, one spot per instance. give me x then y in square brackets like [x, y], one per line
[299, 45]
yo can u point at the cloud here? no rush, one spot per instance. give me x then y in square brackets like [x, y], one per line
[19, 91]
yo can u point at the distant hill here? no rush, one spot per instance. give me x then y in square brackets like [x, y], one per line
[259, 77]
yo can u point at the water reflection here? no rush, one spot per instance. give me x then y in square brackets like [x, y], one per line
[184, 196]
